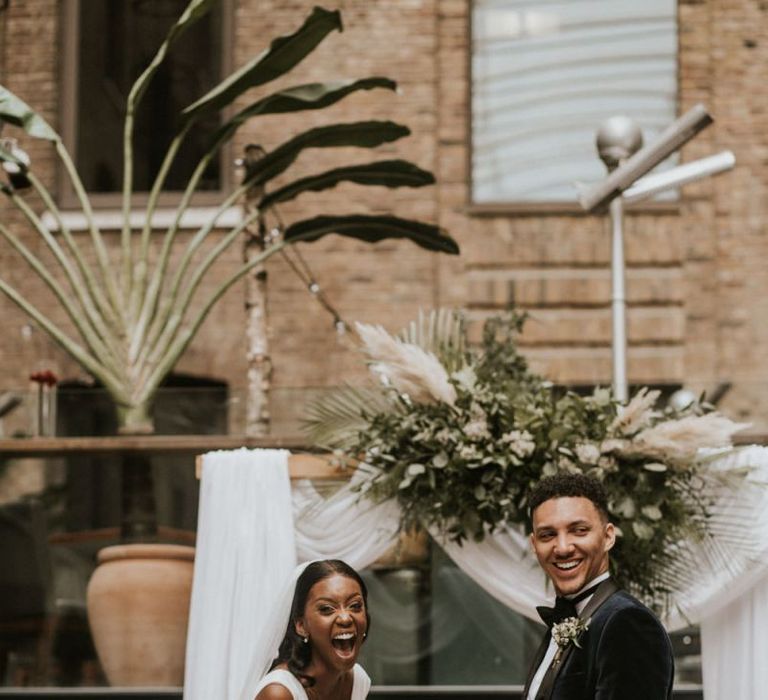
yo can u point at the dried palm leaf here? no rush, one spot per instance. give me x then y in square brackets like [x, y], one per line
[440, 332]
[333, 421]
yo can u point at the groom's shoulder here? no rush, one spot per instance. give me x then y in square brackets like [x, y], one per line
[624, 604]
[623, 608]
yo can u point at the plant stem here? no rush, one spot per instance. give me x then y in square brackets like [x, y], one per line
[172, 323]
[180, 345]
[95, 344]
[94, 291]
[101, 372]
[98, 243]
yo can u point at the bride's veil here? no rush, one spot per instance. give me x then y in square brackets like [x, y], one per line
[270, 634]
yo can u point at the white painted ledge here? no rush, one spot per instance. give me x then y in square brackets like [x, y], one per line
[112, 219]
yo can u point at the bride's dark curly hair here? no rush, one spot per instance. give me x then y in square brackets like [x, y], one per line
[293, 651]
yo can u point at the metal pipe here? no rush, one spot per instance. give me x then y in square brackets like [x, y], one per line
[618, 302]
[679, 176]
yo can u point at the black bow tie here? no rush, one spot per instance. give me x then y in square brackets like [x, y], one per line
[564, 608]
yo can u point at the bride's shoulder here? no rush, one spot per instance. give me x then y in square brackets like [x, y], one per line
[274, 691]
[280, 684]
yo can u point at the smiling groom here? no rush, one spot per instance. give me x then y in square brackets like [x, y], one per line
[601, 643]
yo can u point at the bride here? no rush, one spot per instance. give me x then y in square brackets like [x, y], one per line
[328, 624]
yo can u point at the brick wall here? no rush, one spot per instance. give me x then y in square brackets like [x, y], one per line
[696, 275]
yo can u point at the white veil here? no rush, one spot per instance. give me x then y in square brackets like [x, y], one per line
[270, 634]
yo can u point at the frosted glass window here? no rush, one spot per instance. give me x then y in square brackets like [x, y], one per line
[545, 74]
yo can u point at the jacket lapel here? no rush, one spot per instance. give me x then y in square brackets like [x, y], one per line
[604, 591]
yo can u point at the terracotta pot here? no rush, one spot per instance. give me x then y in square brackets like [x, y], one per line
[138, 604]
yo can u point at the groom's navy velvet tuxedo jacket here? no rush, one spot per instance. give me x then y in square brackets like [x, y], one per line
[625, 654]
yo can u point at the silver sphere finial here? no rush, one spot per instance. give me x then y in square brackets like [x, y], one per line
[617, 139]
[682, 399]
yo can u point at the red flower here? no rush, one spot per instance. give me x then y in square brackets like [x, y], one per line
[45, 377]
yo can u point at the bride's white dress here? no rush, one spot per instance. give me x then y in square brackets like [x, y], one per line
[361, 683]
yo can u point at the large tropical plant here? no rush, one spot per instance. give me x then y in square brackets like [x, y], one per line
[134, 311]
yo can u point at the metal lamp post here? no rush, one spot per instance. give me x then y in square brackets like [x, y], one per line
[617, 139]
[620, 146]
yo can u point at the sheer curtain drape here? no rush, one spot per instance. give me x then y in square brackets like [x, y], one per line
[254, 527]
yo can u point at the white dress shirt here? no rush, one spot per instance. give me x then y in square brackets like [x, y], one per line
[552, 648]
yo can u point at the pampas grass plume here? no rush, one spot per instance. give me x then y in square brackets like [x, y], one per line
[410, 369]
[637, 413]
[678, 441]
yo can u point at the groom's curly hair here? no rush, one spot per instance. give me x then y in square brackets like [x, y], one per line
[294, 651]
[567, 485]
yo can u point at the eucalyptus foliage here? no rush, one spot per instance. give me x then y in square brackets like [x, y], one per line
[134, 312]
[464, 468]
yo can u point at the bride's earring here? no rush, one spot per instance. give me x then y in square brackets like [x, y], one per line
[306, 640]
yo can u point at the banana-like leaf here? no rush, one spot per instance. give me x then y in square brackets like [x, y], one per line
[299, 98]
[371, 229]
[282, 55]
[361, 134]
[13, 110]
[388, 173]
[334, 420]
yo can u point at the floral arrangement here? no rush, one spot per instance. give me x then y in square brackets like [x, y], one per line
[568, 632]
[458, 435]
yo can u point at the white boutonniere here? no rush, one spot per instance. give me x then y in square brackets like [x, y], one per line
[568, 632]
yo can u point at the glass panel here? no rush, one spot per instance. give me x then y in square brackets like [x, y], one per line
[433, 625]
[117, 40]
[546, 74]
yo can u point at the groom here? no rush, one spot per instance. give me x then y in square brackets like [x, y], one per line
[611, 647]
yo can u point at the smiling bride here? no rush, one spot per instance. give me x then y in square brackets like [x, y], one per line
[328, 624]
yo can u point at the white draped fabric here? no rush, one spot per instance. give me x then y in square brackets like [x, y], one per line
[735, 647]
[245, 552]
[253, 528]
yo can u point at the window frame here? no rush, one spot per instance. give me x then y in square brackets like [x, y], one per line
[69, 14]
[533, 207]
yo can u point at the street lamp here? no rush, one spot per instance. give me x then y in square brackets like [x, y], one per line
[618, 138]
[620, 147]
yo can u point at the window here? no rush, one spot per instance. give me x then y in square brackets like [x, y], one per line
[546, 73]
[107, 46]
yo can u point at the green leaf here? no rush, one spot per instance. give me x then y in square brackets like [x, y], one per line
[387, 173]
[13, 110]
[368, 134]
[415, 469]
[651, 512]
[283, 54]
[642, 530]
[625, 508]
[655, 467]
[299, 98]
[440, 460]
[371, 229]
